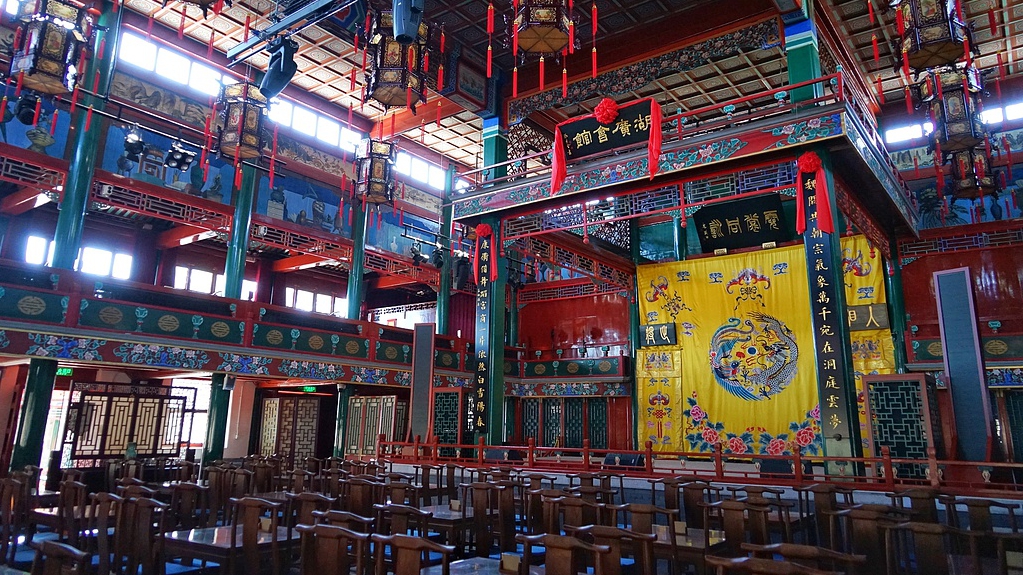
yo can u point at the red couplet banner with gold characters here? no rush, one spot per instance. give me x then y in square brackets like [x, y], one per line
[741, 374]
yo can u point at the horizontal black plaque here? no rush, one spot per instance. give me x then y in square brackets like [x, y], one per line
[741, 223]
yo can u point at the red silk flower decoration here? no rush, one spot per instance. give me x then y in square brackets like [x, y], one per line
[484, 230]
[606, 111]
[810, 163]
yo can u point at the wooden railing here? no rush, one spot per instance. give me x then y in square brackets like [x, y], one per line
[875, 473]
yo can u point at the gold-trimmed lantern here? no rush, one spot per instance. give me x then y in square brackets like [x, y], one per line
[51, 35]
[972, 177]
[542, 26]
[932, 33]
[375, 171]
[952, 96]
[397, 77]
[242, 110]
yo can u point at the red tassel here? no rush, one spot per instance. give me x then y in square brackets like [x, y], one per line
[209, 47]
[515, 82]
[541, 73]
[900, 23]
[17, 40]
[218, 7]
[426, 61]
[380, 220]
[88, 119]
[916, 168]
[53, 123]
[350, 210]
[21, 79]
[490, 61]
[181, 23]
[593, 72]
[905, 63]
[1001, 66]
[355, 46]
[95, 83]
[564, 82]
[991, 21]
[411, 58]
[593, 20]
[74, 99]
[116, 2]
[870, 11]
[362, 97]
[571, 37]
[873, 41]
[39, 109]
[440, 79]
[401, 218]
[248, 23]
[442, 38]
[880, 90]
[978, 166]
[909, 101]
[102, 48]
[438, 114]
[149, 27]
[998, 90]
[490, 18]
[351, 81]
[349, 116]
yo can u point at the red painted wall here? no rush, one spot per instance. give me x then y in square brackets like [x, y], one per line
[585, 321]
[997, 288]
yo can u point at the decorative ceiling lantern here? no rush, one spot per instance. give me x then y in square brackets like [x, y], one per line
[952, 96]
[931, 33]
[242, 110]
[375, 176]
[398, 76]
[971, 174]
[542, 26]
[48, 46]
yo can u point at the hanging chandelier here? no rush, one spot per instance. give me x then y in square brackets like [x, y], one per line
[242, 110]
[930, 33]
[48, 46]
[952, 95]
[375, 171]
[398, 73]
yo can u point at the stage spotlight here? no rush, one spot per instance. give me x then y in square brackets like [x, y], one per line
[281, 69]
[437, 259]
[133, 145]
[25, 109]
[178, 158]
[417, 254]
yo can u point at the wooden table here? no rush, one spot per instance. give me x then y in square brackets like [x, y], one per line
[692, 546]
[451, 523]
[214, 543]
[482, 565]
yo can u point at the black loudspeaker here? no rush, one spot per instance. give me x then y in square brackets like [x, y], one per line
[408, 14]
[624, 459]
[229, 383]
[461, 273]
[282, 67]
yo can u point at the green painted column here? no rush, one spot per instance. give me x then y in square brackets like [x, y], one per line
[446, 229]
[495, 147]
[344, 393]
[896, 298]
[802, 56]
[238, 244]
[356, 278]
[216, 426]
[513, 315]
[495, 423]
[85, 144]
[634, 338]
[35, 406]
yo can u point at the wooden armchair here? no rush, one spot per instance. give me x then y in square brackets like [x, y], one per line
[408, 555]
[53, 558]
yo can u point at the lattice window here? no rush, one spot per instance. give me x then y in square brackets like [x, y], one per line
[767, 177]
[525, 139]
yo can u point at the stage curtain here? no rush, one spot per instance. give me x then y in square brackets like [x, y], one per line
[873, 351]
[660, 398]
[746, 350]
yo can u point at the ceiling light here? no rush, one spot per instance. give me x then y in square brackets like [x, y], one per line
[178, 158]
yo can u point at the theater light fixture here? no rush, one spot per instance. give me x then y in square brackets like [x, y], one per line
[178, 158]
[25, 109]
[437, 259]
[282, 67]
[417, 254]
[134, 146]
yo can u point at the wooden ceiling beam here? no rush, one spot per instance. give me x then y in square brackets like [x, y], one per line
[182, 235]
[299, 262]
[22, 201]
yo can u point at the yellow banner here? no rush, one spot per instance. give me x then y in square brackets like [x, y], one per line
[872, 350]
[746, 351]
